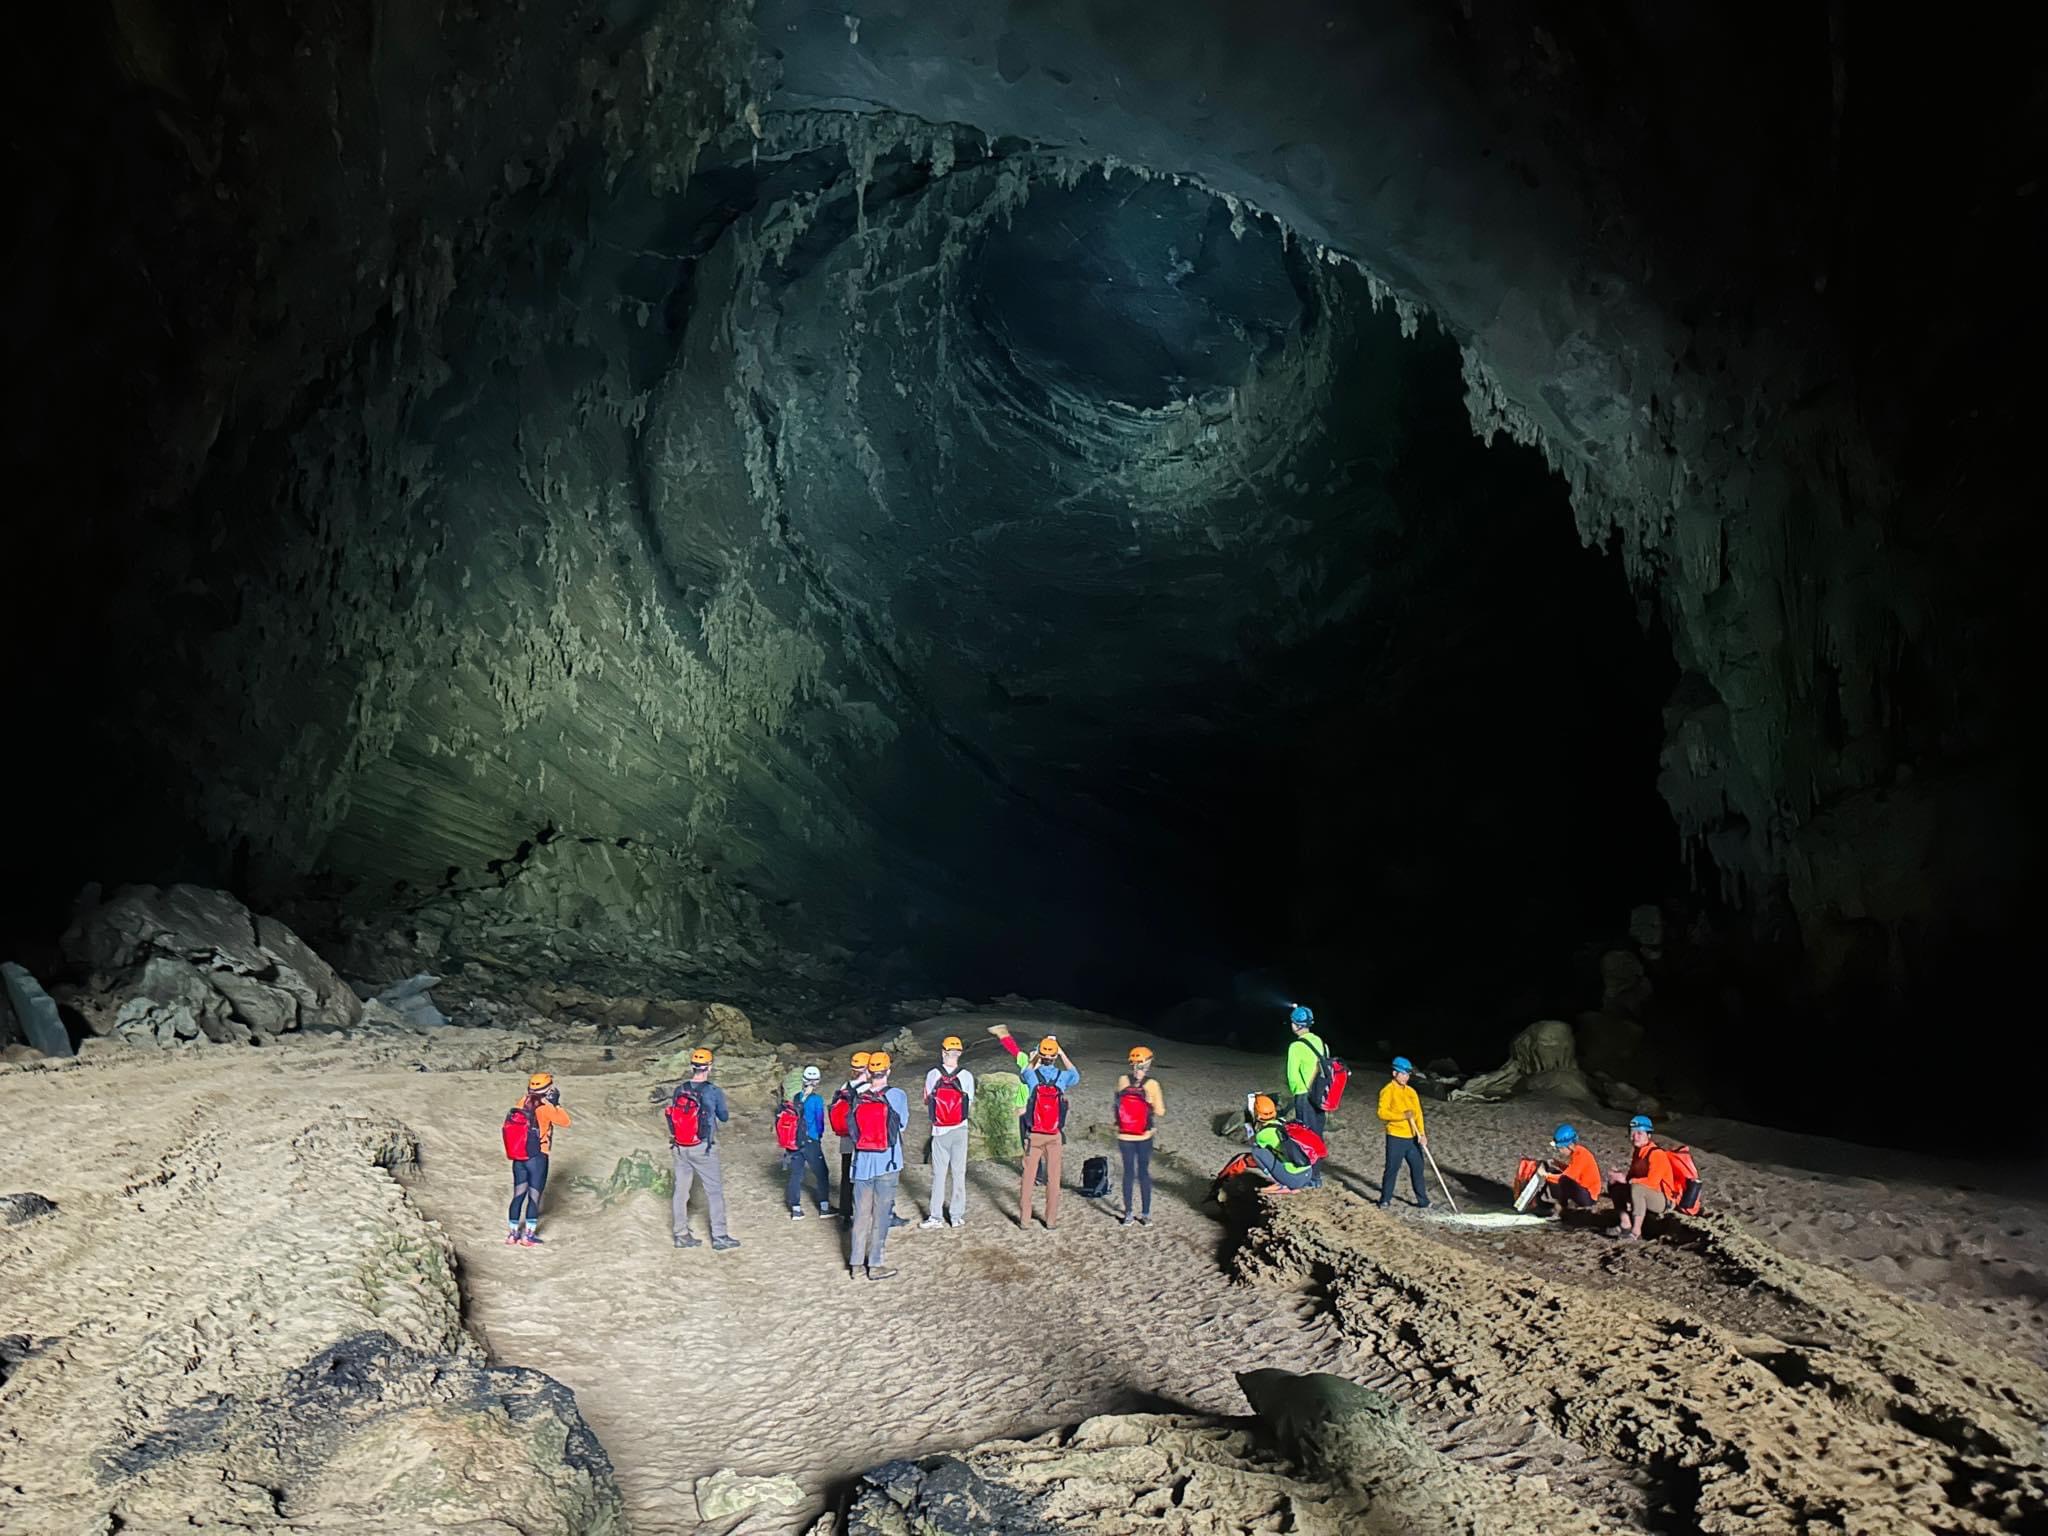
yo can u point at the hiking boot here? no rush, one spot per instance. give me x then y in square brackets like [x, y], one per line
[796, 1213]
[1145, 1220]
[684, 1240]
[896, 1221]
[532, 1239]
[720, 1244]
[512, 1239]
[826, 1210]
[1127, 1220]
[931, 1223]
[881, 1272]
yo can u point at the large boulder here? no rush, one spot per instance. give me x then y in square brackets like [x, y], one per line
[373, 1436]
[1544, 1059]
[186, 963]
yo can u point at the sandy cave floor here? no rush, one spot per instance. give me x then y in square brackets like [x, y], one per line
[194, 1247]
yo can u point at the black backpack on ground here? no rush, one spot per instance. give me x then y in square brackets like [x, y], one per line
[1095, 1178]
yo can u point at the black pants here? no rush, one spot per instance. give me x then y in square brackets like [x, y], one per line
[1570, 1194]
[1138, 1171]
[528, 1180]
[1307, 1114]
[808, 1158]
[1403, 1149]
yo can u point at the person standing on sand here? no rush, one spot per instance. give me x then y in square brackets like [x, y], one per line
[948, 1101]
[809, 1154]
[1047, 1077]
[1305, 1057]
[694, 1115]
[1401, 1116]
[879, 1115]
[1139, 1106]
[839, 1112]
[544, 1113]
[1651, 1187]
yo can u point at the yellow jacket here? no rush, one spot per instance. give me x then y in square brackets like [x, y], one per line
[1397, 1102]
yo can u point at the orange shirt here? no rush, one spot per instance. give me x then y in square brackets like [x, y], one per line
[547, 1116]
[1651, 1165]
[1581, 1168]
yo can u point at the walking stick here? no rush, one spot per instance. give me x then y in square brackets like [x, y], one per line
[1442, 1183]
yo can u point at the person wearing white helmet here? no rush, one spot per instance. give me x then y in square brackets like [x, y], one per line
[808, 1156]
[948, 1102]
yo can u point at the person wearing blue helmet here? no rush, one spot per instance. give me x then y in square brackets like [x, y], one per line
[1305, 1058]
[1652, 1186]
[1571, 1174]
[1401, 1117]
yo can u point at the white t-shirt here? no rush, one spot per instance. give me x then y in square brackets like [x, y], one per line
[931, 1081]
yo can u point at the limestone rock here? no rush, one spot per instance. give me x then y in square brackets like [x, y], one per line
[25, 1207]
[185, 962]
[640, 1172]
[379, 1437]
[1624, 985]
[35, 1011]
[725, 1493]
[1543, 1059]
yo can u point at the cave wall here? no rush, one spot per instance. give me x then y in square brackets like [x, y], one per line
[426, 524]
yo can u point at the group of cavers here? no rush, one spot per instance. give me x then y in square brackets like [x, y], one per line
[868, 1115]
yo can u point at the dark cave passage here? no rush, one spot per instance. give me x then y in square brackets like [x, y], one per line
[1006, 501]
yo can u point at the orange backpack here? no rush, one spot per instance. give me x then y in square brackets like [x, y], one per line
[1688, 1171]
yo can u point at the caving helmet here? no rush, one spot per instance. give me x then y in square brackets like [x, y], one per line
[1564, 1136]
[1263, 1107]
[812, 1074]
[878, 1062]
[859, 1061]
[1640, 1123]
[700, 1058]
[951, 1043]
[1403, 1064]
[1049, 1047]
[1302, 1016]
[1140, 1054]
[539, 1081]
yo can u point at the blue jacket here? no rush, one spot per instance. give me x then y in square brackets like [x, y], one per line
[873, 1165]
[810, 1118]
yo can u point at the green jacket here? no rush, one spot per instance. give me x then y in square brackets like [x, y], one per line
[1303, 1057]
[1275, 1141]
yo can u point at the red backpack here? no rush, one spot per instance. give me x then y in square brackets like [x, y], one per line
[842, 1106]
[1687, 1168]
[1133, 1111]
[686, 1120]
[875, 1124]
[522, 1136]
[788, 1122]
[1045, 1111]
[1326, 1092]
[1310, 1147]
[947, 1101]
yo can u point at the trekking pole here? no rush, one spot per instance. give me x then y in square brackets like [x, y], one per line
[1442, 1182]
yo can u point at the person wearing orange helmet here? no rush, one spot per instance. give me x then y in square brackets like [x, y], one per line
[542, 1108]
[1047, 1075]
[1138, 1106]
[879, 1115]
[695, 1112]
[1273, 1151]
[948, 1102]
[837, 1113]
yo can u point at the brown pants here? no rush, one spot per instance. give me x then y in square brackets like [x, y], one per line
[1036, 1147]
[1645, 1201]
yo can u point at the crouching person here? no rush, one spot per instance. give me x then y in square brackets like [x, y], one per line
[1653, 1184]
[1284, 1151]
[1570, 1175]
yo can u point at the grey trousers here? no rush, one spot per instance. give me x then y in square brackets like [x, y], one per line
[873, 1200]
[949, 1165]
[697, 1165]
